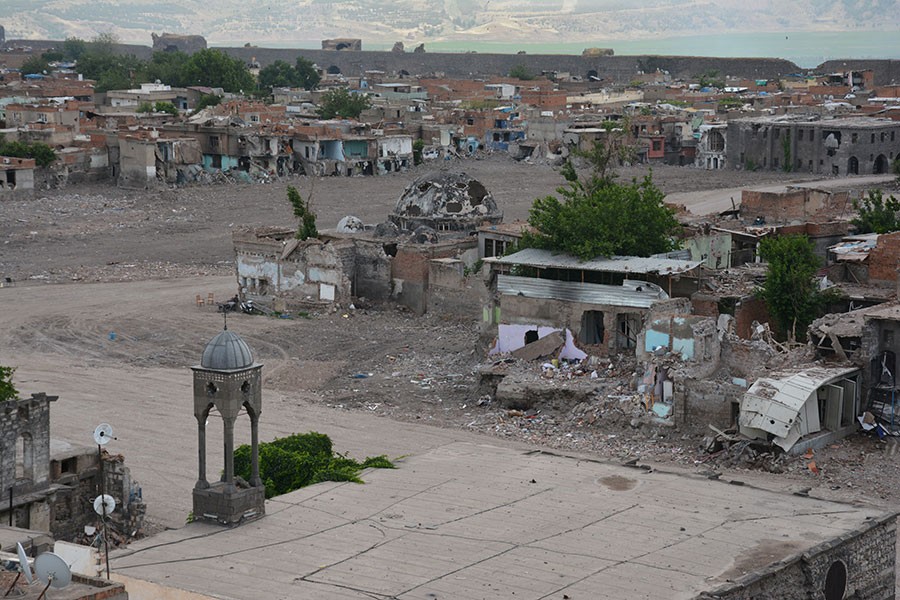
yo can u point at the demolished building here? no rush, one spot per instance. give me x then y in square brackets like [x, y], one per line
[445, 202]
[53, 484]
[390, 261]
[851, 146]
[601, 302]
[788, 407]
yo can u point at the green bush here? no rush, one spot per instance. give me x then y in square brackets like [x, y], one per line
[288, 464]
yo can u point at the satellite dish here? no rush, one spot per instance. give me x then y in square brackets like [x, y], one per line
[104, 504]
[103, 434]
[52, 570]
[24, 567]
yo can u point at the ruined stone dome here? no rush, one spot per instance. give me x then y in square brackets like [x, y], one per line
[226, 352]
[446, 202]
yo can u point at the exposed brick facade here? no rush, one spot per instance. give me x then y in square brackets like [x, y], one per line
[884, 258]
[796, 203]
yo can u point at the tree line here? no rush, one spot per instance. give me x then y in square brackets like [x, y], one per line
[99, 60]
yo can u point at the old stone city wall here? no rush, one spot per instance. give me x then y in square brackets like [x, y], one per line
[460, 65]
[618, 68]
[867, 556]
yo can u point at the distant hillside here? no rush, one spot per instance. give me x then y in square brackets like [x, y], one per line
[306, 22]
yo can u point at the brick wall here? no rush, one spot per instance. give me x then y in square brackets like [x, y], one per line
[790, 205]
[749, 309]
[706, 306]
[701, 402]
[884, 259]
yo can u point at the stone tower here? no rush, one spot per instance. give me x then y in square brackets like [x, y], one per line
[227, 380]
[25, 444]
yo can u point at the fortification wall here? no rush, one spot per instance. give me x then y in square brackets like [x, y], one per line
[616, 68]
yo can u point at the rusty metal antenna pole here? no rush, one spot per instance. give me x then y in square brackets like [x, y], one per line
[103, 502]
[15, 581]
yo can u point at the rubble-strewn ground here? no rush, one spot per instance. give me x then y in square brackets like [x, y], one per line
[100, 233]
[379, 360]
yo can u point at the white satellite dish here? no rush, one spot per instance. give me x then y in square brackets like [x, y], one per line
[24, 567]
[52, 570]
[104, 504]
[103, 434]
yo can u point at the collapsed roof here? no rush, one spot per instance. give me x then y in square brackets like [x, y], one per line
[446, 202]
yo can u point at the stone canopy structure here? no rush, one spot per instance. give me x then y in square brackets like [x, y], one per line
[227, 380]
[446, 202]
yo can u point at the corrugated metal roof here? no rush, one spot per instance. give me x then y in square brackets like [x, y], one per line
[773, 404]
[534, 257]
[589, 293]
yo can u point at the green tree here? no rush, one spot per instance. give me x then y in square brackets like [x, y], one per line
[207, 100]
[214, 68]
[711, 79]
[597, 216]
[169, 68]
[42, 154]
[790, 289]
[303, 211]
[603, 157]
[417, 148]
[73, 48]
[53, 56]
[35, 65]
[521, 72]
[611, 219]
[105, 43]
[877, 214]
[307, 75]
[341, 103]
[144, 107]
[8, 391]
[278, 74]
[788, 165]
[111, 71]
[165, 107]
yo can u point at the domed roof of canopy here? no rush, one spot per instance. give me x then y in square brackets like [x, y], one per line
[226, 352]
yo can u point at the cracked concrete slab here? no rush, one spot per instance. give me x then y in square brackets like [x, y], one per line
[468, 520]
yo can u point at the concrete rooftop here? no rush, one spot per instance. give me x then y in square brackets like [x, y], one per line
[467, 520]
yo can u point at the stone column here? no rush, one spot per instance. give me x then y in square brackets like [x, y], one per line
[229, 451]
[255, 481]
[202, 483]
